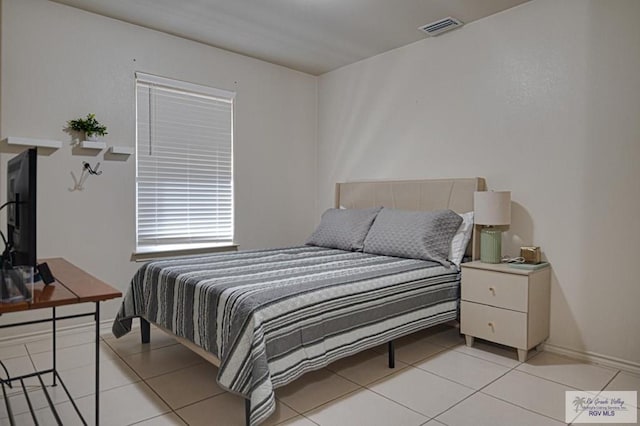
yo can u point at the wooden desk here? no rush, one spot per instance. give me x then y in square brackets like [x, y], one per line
[72, 286]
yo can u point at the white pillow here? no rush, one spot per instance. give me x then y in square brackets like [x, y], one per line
[461, 239]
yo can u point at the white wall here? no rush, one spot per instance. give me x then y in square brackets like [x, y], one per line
[542, 100]
[60, 63]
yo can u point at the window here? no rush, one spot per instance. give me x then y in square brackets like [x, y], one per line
[184, 165]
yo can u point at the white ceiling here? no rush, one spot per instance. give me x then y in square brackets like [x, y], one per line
[313, 36]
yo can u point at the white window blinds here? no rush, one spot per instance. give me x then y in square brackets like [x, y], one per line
[184, 164]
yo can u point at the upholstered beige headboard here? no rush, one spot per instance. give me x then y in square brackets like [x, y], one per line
[428, 194]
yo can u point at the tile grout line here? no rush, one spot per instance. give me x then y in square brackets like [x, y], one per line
[175, 410]
[553, 381]
[171, 410]
[599, 392]
[359, 387]
[286, 405]
[63, 331]
[195, 402]
[156, 393]
[494, 362]
[151, 418]
[93, 393]
[182, 419]
[166, 372]
[515, 368]
[393, 371]
[37, 387]
[509, 369]
[475, 391]
[122, 358]
[298, 415]
[142, 380]
[408, 365]
[609, 382]
[413, 366]
[401, 404]
[330, 401]
[398, 402]
[445, 378]
[16, 356]
[524, 408]
[118, 356]
[33, 364]
[62, 334]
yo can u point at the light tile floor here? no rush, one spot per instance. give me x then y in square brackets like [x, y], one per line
[437, 381]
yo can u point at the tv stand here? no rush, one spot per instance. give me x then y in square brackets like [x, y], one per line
[72, 286]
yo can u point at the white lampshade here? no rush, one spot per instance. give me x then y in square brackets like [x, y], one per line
[492, 208]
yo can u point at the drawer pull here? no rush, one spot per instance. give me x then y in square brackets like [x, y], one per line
[492, 290]
[490, 324]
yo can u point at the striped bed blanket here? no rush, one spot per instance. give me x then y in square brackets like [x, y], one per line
[272, 315]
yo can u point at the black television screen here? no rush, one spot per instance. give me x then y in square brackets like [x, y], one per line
[21, 213]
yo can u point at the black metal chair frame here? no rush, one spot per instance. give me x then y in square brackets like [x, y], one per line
[9, 381]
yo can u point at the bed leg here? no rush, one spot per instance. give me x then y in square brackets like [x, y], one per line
[247, 411]
[392, 354]
[145, 330]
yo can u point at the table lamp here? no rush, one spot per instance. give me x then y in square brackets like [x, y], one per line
[491, 209]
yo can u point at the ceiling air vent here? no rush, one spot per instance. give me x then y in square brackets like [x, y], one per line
[441, 26]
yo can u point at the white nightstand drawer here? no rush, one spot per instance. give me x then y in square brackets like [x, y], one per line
[494, 324]
[495, 289]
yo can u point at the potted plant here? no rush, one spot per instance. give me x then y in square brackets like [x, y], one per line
[90, 126]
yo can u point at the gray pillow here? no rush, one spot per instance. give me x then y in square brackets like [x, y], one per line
[344, 229]
[414, 234]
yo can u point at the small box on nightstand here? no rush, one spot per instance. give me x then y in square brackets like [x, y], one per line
[531, 254]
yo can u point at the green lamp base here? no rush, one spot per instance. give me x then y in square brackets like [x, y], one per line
[490, 245]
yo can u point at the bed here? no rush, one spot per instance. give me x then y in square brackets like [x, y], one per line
[266, 317]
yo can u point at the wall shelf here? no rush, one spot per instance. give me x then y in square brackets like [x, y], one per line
[93, 145]
[42, 143]
[120, 150]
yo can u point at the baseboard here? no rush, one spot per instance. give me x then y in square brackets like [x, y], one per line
[606, 360]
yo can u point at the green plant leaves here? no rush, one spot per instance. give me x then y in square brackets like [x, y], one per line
[89, 125]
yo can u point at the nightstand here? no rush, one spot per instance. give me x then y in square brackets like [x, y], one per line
[505, 305]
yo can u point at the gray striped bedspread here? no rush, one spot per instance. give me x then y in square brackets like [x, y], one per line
[272, 315]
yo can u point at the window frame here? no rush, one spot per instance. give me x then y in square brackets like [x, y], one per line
[147, 252]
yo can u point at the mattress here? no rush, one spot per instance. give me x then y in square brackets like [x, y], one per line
[272, 315]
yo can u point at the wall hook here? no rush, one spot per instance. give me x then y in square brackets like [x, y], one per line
[78, 184]
[92, 171]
